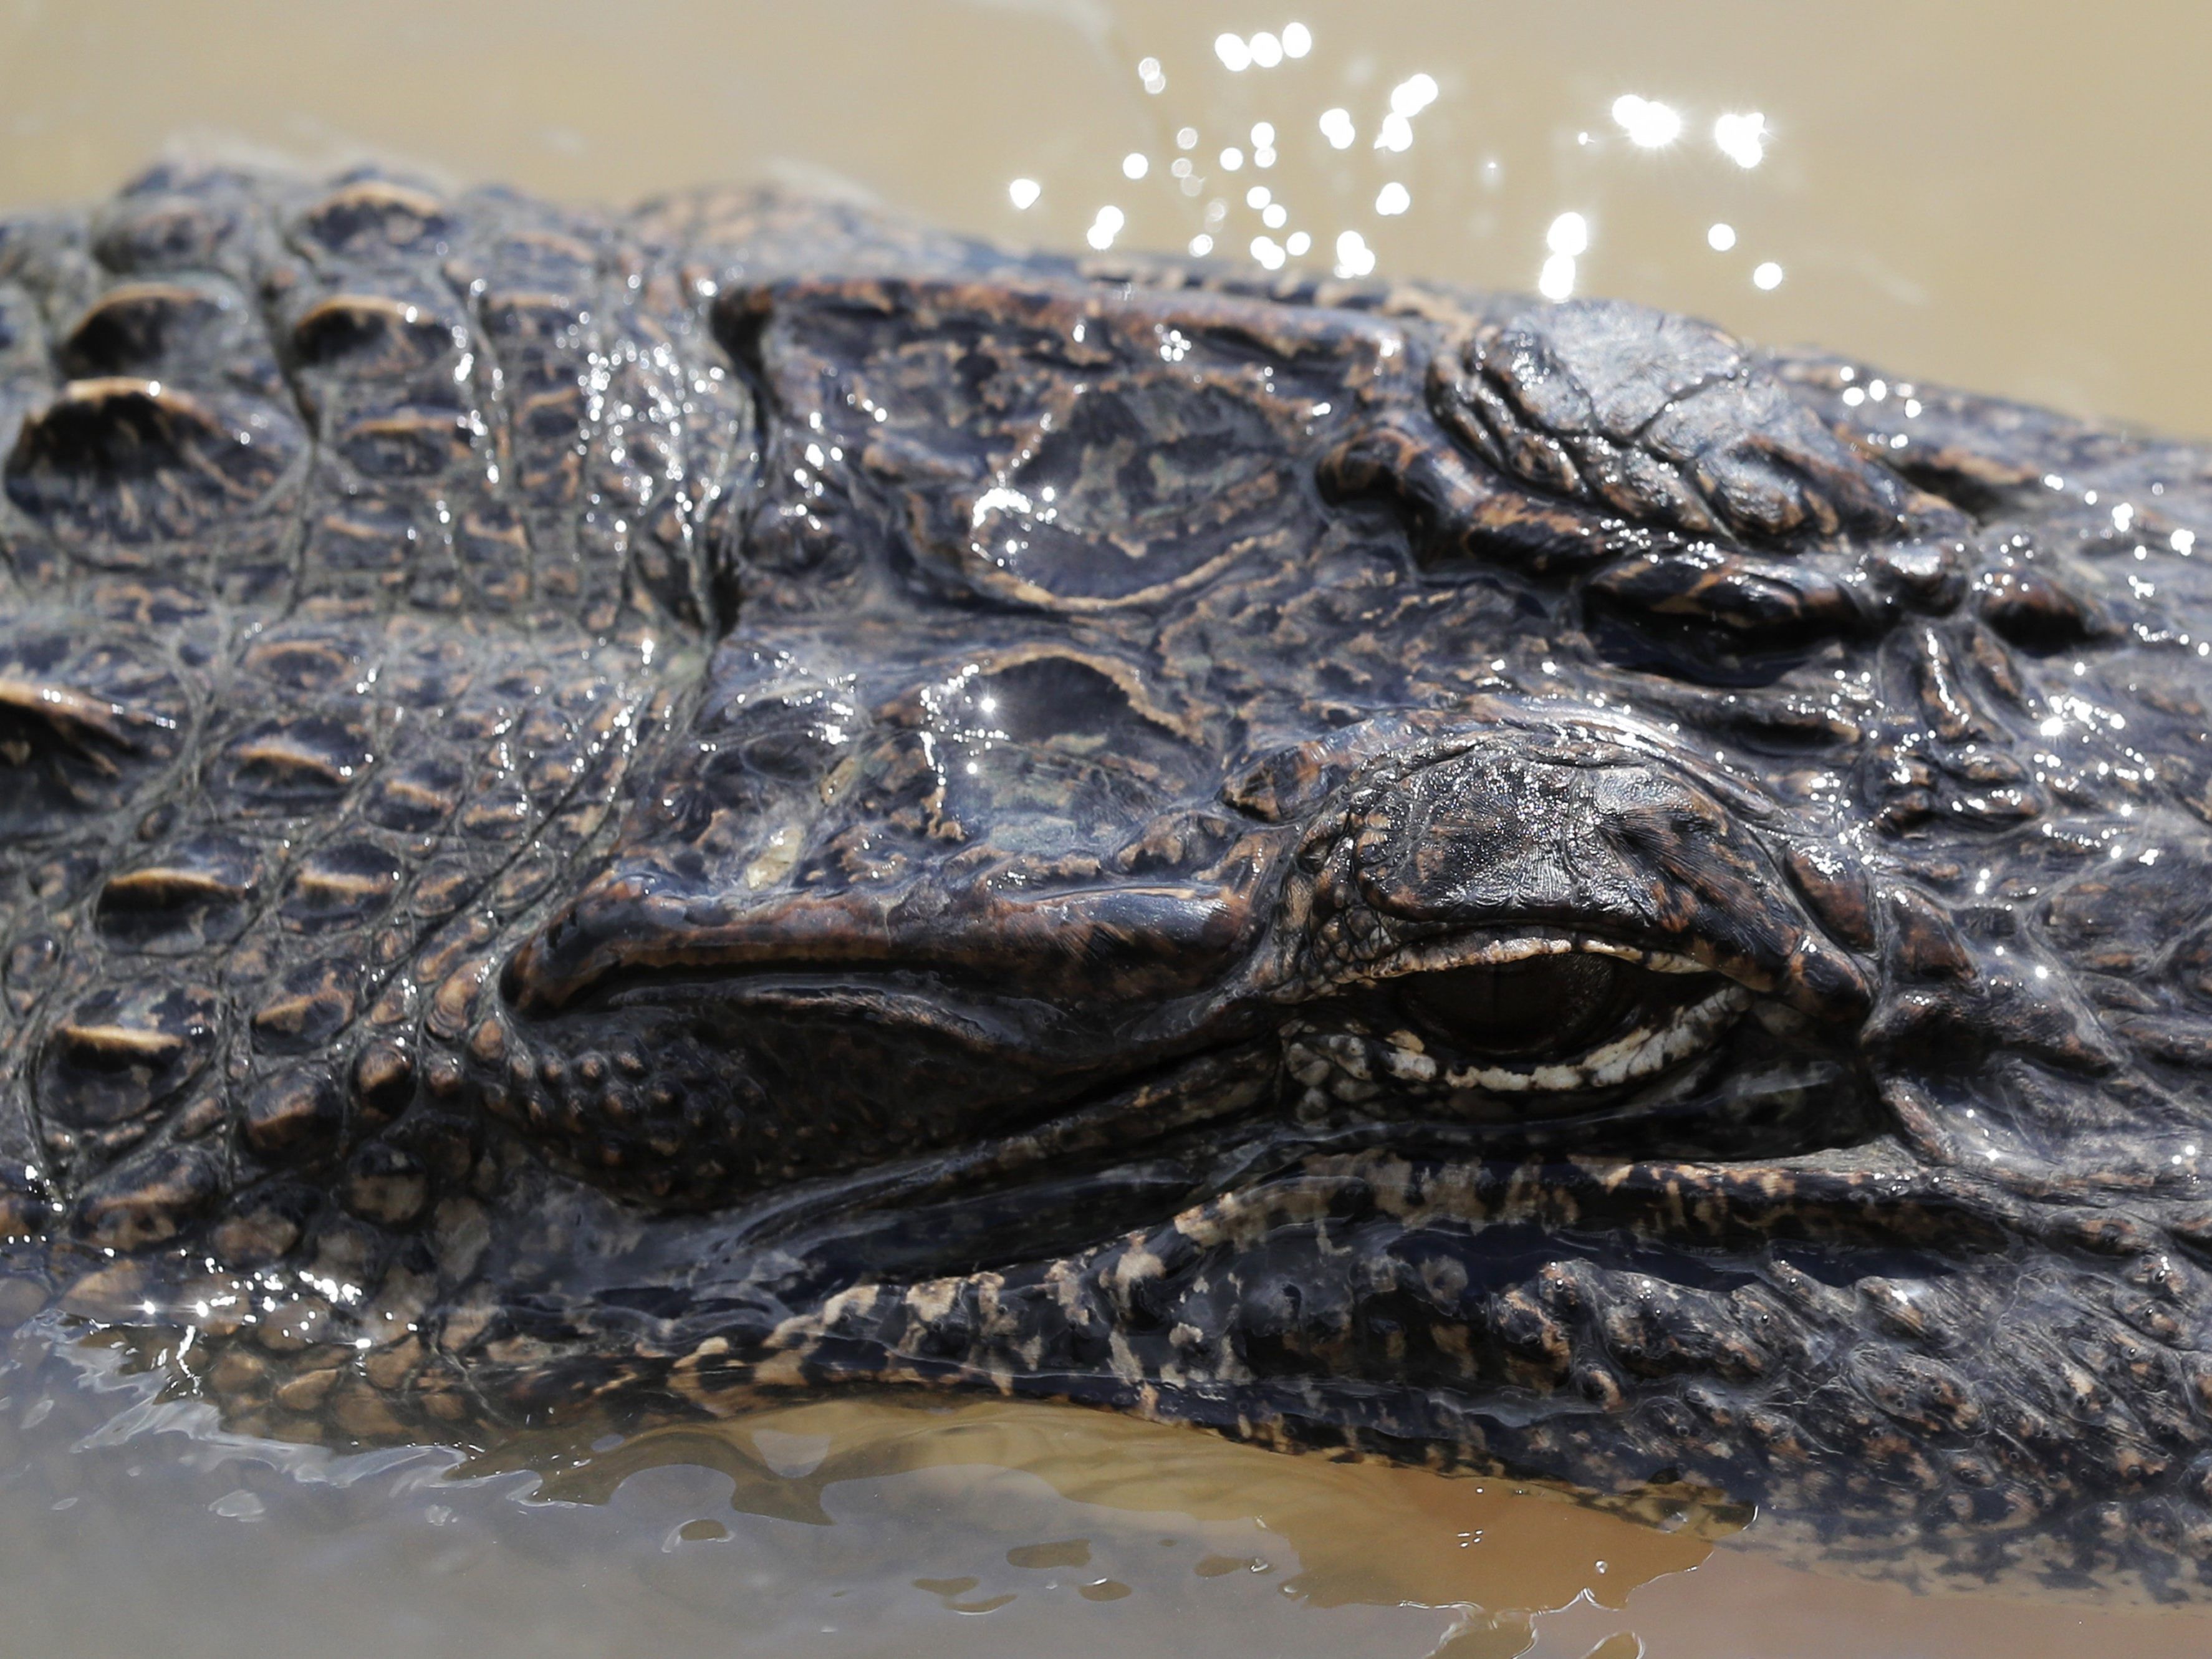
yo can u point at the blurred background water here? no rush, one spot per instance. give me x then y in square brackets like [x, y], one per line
[2005, 194]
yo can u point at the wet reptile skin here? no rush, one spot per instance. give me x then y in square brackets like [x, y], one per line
[740, 798]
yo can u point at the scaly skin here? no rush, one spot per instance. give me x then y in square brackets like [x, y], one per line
[742, 798]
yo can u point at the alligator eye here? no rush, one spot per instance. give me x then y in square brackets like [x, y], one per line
[1538, 1004]
[1566, 1020]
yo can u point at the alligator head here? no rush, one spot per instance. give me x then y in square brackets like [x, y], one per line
[748, 800]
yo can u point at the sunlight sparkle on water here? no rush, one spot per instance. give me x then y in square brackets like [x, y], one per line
[1766, 275]
[1149, 76]
[1721, 238]
[1568, 239]
[1104, 228]
[1023, 193]
[1353, 257]
[1569, 234]
[1134, 165]
[1336, 127]
[1413, 95]
[1650, 125]
[1741, 138]
[1264, 50]
[1393, 198]
[1407, 99]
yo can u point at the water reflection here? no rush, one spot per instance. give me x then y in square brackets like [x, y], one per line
[1888, 186]
[130, 1520]
[1334, 1534]
[840, 1525]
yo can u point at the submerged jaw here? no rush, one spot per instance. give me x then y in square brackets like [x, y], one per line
[1494, 1315]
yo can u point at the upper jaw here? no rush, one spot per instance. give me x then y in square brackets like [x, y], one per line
[1128, 943]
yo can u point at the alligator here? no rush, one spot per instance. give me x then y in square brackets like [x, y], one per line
[654, 810]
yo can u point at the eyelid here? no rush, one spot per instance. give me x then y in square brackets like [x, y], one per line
[1436, 956]
[1515, 835]
[1645, 1051]
[1658, 1038]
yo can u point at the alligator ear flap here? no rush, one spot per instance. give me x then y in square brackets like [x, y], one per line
[131, 461]
[1719, 618]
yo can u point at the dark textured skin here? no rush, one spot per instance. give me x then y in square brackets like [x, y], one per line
[663, 808]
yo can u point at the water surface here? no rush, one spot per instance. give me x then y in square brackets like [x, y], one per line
[2007, 196]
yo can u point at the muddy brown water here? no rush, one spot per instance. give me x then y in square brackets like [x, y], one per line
[2008, 196]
